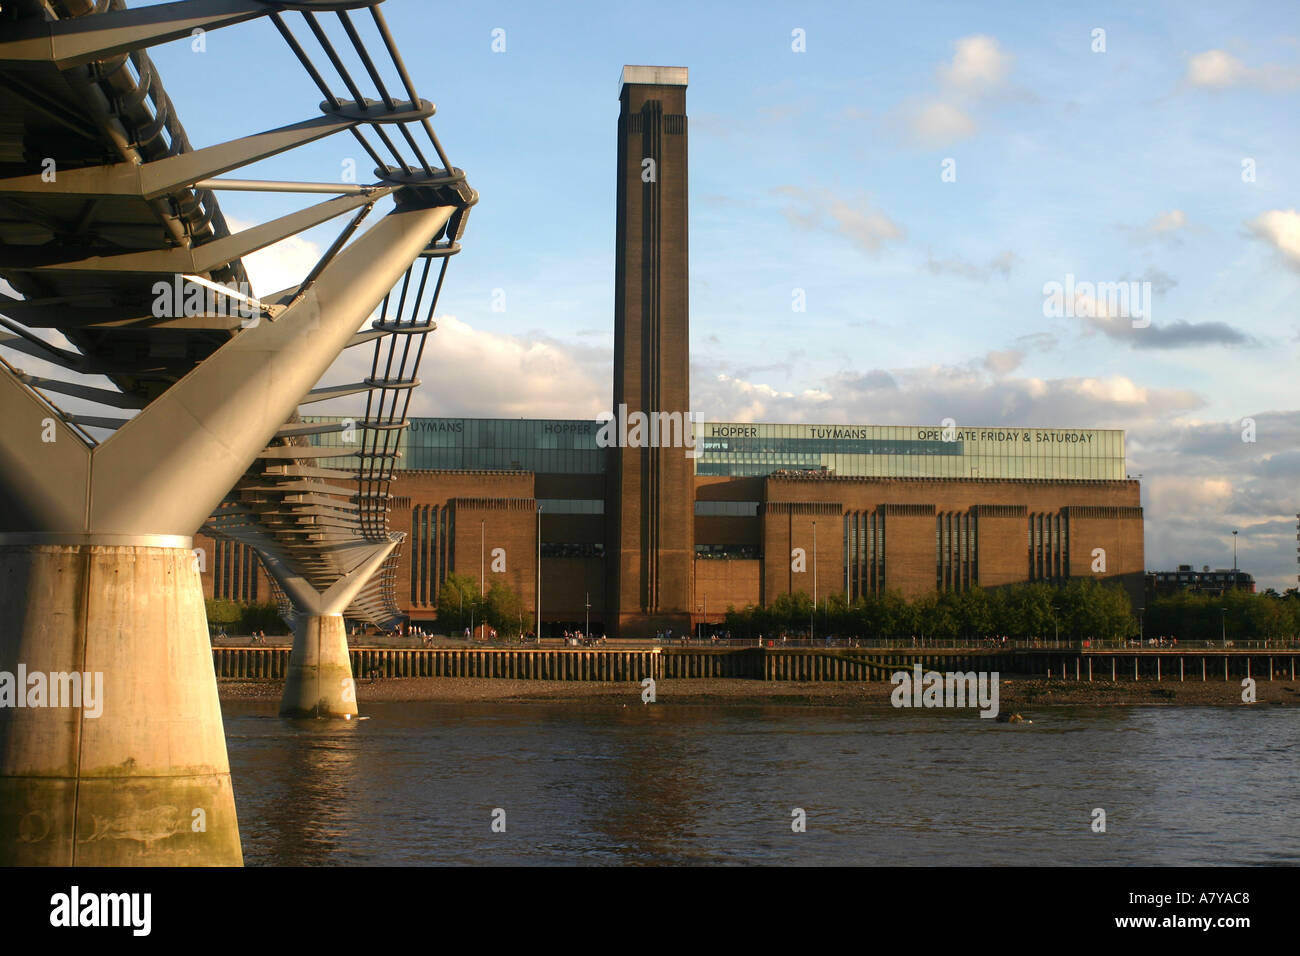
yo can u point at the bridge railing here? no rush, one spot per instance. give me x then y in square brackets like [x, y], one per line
[837, 643]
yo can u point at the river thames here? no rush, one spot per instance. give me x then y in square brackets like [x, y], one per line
[421, 784]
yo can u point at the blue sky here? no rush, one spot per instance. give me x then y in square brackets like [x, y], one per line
[821, 171]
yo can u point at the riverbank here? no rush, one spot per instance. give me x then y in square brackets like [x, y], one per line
[1014, 695]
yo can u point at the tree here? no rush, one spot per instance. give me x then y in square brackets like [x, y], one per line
[459, 601]
[791, 612]
[222, 612]
[261, 617]
[975, 613]
[504, 611]
[240, 618]
[895, 616]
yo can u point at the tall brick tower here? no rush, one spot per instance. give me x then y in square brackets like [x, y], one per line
[650, 496]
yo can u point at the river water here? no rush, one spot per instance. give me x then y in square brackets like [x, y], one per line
[418, 783]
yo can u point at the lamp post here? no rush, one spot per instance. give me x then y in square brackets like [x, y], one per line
[1142, 613]
[538, 602]
[482, 564]
[1223, 620]
[812, 618]
[587, 630]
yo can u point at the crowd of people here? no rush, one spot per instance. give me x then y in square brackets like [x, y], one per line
[577, 638]
[1161, 641]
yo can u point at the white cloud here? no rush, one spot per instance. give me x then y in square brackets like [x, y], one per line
[1174, 492]
[1003, 362]
[978, 70]
[1214, 68]
[465, 371]
[475, 373]
[978, 67]
[855, 218]
[1281, 229]
[1201, 481]
[1169, 221]
[1167, 226]
[1001, 264]
[1220, 70]
[933, 122]
[963, 392]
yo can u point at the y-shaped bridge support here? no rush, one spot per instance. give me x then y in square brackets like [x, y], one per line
[111, 745]
[319, 682]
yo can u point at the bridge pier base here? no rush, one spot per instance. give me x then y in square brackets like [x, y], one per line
[125, 763]
[319, 682]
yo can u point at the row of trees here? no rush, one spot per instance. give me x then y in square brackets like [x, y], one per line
[1236, 615]
[239, 618]
[461, 605]
[1082, 609]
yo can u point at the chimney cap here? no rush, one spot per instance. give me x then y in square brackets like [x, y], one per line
[652, 76]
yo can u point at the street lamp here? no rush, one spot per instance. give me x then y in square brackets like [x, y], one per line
[812, 617]
[1223, 619]
[587, 630]
[538, 602]
[1142, 613]
[482, 569]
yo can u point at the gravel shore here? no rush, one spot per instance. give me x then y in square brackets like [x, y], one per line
[1013, 694]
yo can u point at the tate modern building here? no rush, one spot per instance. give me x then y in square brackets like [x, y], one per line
[652, 518]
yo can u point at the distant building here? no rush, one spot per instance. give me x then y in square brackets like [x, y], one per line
[1204, 581]
[639, 536]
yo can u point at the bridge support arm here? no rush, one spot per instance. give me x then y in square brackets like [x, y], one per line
[170, 466]
[319, 682]
[81, 40]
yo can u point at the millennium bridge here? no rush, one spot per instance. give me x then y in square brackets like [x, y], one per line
[128, 427]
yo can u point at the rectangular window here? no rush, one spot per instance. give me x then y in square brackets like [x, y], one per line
[572, 506]
[735, 509]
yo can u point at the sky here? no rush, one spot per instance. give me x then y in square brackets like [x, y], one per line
[915, 175]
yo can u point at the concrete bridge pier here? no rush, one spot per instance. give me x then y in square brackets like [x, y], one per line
[97, 579]
[320, 682]
[101, 762]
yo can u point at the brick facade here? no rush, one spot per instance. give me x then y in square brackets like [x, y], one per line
[896, 530]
